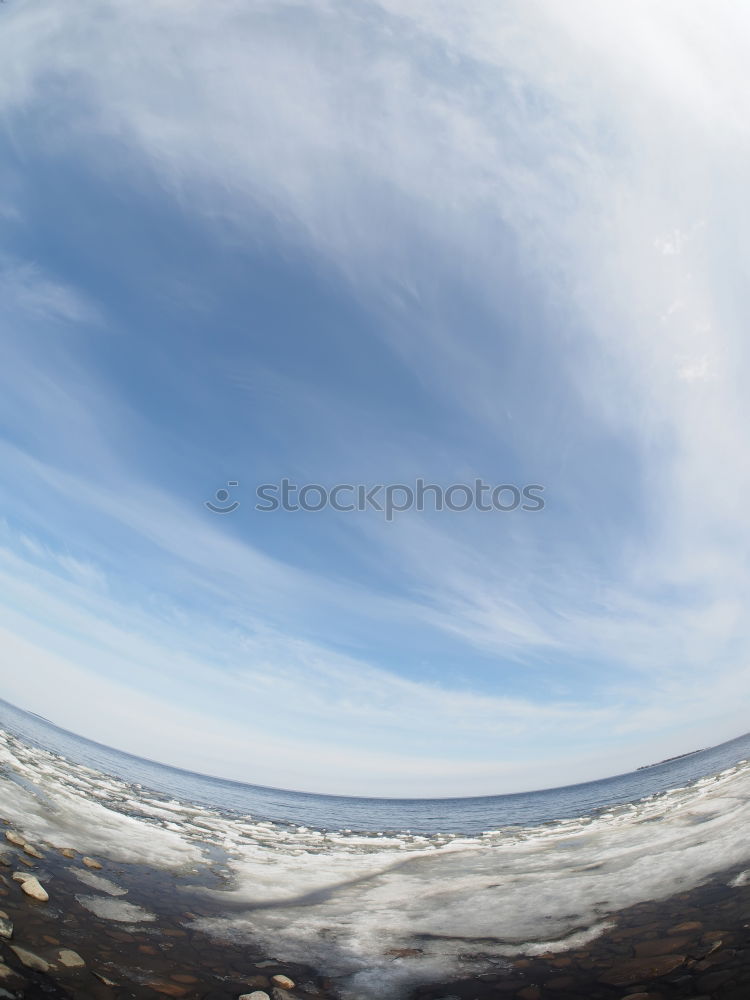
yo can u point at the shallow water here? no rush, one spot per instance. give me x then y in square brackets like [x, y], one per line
[343, 901]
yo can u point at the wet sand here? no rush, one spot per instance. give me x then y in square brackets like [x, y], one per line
[693, 945]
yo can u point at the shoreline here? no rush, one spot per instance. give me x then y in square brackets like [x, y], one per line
[692, 944]
[129, 925]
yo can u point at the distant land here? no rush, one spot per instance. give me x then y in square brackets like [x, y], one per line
[668, 760]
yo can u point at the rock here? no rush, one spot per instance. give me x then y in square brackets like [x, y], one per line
[91, 862]
[29, 959]
[68, 852]
[6, 858]
[689, 925]
[31, 850]
[559, 983]
[70, 959]
[639, 970]
[256, 983]
[25, 861]
[104, 979]
[31, 885]
[660, 946]
[529, 993]
[283, 982]
[168, 989]
[14, 838]
[255, 995]
[6, 928]
[10, 975]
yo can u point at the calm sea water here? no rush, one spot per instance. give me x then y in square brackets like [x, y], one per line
[458, 815]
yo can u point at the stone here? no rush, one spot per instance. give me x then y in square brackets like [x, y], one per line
[29, 959]
[283, 982]
[14, 838]
[689, 925]
[711, 982]
[559, 983]
[639, 970]
[31, 885]
[6, 972]
[660, 946]
[91, 862]
[168, 989]
[70, 959]
[256, 983]
[104, 979]
[255, 995]
[6, 928]
[68, 852]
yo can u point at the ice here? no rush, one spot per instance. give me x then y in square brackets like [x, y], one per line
[115, 909]
[98, 882]
[347, 902]
[65, 816]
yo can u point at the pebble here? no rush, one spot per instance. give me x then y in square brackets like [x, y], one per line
[104, 979]
[67, 852]
[283, 982]
[6, 928]
[636, 970]
[29, 959]
[255, 995]
[31, 885]
[70, 959]
[91, 862]
[169, 989]
[14, 838]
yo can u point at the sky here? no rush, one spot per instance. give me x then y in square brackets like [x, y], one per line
[368, 242]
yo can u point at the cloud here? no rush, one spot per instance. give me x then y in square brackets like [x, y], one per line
[550, 272]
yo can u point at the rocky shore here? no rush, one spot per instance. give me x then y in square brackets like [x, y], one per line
[692, 946]
[73, 926]
[66, 931]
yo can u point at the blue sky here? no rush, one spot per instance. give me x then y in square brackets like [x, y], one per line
[370, 242]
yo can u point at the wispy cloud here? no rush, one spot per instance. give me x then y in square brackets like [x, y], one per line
[385, 240]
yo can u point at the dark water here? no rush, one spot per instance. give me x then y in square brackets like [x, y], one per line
[463, 815]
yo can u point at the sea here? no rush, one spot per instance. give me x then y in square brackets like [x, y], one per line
[386, 893]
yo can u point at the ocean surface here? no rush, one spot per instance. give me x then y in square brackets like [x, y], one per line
[367, 815]
[347, 884]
